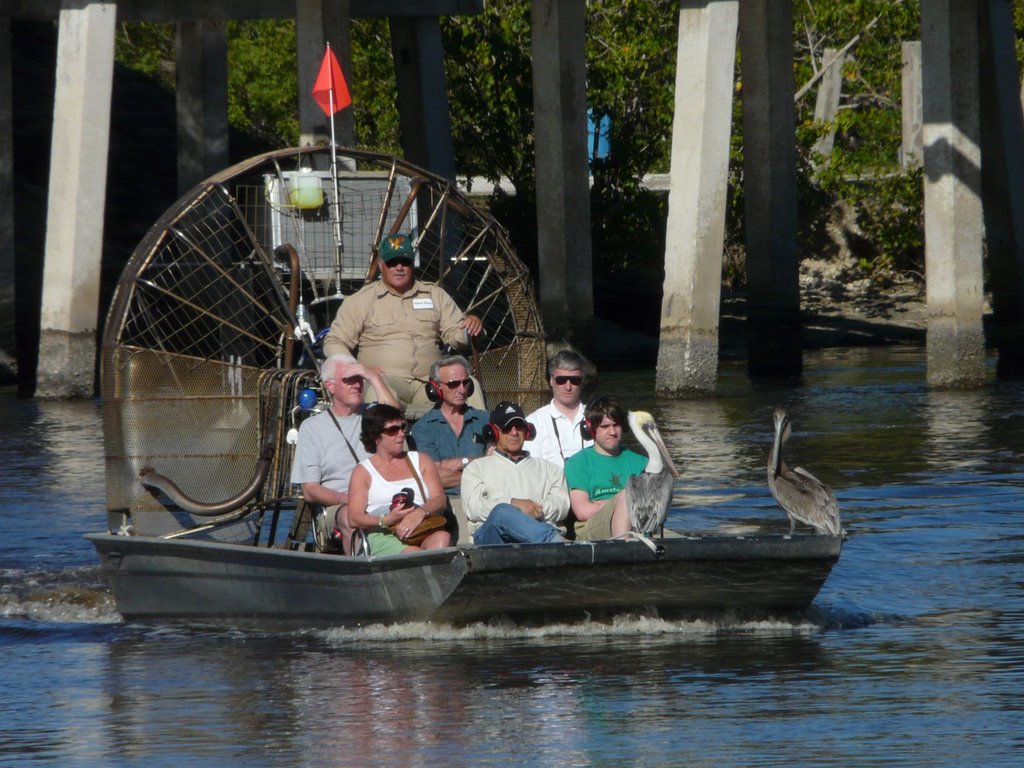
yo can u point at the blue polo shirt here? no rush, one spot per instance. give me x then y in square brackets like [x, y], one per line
[434, 436]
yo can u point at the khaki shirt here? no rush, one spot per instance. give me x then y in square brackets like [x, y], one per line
[398, 333]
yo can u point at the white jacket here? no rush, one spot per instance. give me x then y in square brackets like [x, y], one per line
[496, 479]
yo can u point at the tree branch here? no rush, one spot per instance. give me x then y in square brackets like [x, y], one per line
[835, 57]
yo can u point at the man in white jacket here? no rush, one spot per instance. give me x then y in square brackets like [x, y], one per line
[509, 496]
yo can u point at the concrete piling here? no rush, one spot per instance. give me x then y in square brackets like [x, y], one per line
[78, 179]
[695, 233]
[1002, 182]
[952, 192]
[770, 199]
[563, 189]
[201, 55]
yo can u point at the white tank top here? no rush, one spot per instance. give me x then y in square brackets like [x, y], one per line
[378, 501]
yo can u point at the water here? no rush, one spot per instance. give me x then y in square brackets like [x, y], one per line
[911, 655]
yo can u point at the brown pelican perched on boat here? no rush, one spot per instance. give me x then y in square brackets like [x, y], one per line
[649, 494]
[804, 497]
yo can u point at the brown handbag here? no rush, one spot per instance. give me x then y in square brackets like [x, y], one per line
[430, 523]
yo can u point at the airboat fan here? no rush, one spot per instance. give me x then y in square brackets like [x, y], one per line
[202, 365]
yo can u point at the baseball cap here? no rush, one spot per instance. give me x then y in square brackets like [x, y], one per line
[396, 247]
[505, 413]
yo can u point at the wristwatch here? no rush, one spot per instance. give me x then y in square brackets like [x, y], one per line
[383, 525]
[465, 462]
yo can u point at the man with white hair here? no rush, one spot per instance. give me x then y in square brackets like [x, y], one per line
[328, 448]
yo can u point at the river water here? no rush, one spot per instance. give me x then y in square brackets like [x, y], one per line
[912, 655]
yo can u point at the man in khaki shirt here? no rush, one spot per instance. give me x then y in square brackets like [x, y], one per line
[395, 325]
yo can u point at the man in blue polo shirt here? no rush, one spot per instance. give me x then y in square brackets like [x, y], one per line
[449, 434]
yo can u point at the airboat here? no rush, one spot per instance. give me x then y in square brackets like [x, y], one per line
[210, 351]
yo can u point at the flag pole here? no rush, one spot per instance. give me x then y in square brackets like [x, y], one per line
[334, 176]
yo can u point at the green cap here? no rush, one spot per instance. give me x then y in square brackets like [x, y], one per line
[396, 247]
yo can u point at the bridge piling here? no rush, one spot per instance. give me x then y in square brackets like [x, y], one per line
[952, 192]
[78, 179]
[769, 187]
[1002, 182]
[695, 232]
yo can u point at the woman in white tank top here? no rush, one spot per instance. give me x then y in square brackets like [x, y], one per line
[390, 470]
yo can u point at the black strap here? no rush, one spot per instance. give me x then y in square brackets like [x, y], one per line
[347, 443]
[554, 426]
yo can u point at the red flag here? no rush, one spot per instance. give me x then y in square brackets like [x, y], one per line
[331, 81]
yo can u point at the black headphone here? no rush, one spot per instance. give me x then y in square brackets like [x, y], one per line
[433, 389]
[587, 429]
[491, 430]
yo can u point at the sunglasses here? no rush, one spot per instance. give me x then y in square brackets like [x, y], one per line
[574, 380]
[398, 263]
[393, 429]
[514, 425]
[353, 380]
[456, 383]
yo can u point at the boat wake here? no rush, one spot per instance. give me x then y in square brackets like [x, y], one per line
[72, 596]
[618, 626]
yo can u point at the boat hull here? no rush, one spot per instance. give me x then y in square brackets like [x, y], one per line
[207, 583]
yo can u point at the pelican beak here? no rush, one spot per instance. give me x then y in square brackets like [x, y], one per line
[781, 425]
[656, 437]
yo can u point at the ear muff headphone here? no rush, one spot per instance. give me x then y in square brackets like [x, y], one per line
[490, 432]
[433, 389]
[587, 429]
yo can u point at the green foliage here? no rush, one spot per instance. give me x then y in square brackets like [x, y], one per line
[147, 48]
[373, 89]
[490, 86]
[631, 51]
[862, 176]
[262, 82]
[631, 54]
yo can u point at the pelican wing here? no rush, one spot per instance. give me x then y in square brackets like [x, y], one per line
[821, 510]
[805, 498]
[648, 498]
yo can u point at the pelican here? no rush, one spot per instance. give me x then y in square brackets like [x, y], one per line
[648, 495]
[804, 497]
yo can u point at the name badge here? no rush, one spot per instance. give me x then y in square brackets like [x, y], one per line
[423, 303]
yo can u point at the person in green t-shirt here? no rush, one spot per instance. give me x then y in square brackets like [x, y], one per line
[597, 475]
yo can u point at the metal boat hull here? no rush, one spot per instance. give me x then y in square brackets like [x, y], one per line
[206, 583]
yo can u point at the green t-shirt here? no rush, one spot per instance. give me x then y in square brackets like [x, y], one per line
[602, 476]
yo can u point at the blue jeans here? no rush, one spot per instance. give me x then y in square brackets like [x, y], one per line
[508, 524]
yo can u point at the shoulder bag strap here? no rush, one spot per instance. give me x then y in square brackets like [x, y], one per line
[416, 477]
[347, 443]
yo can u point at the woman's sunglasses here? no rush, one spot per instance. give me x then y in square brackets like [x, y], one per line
[393, 429]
